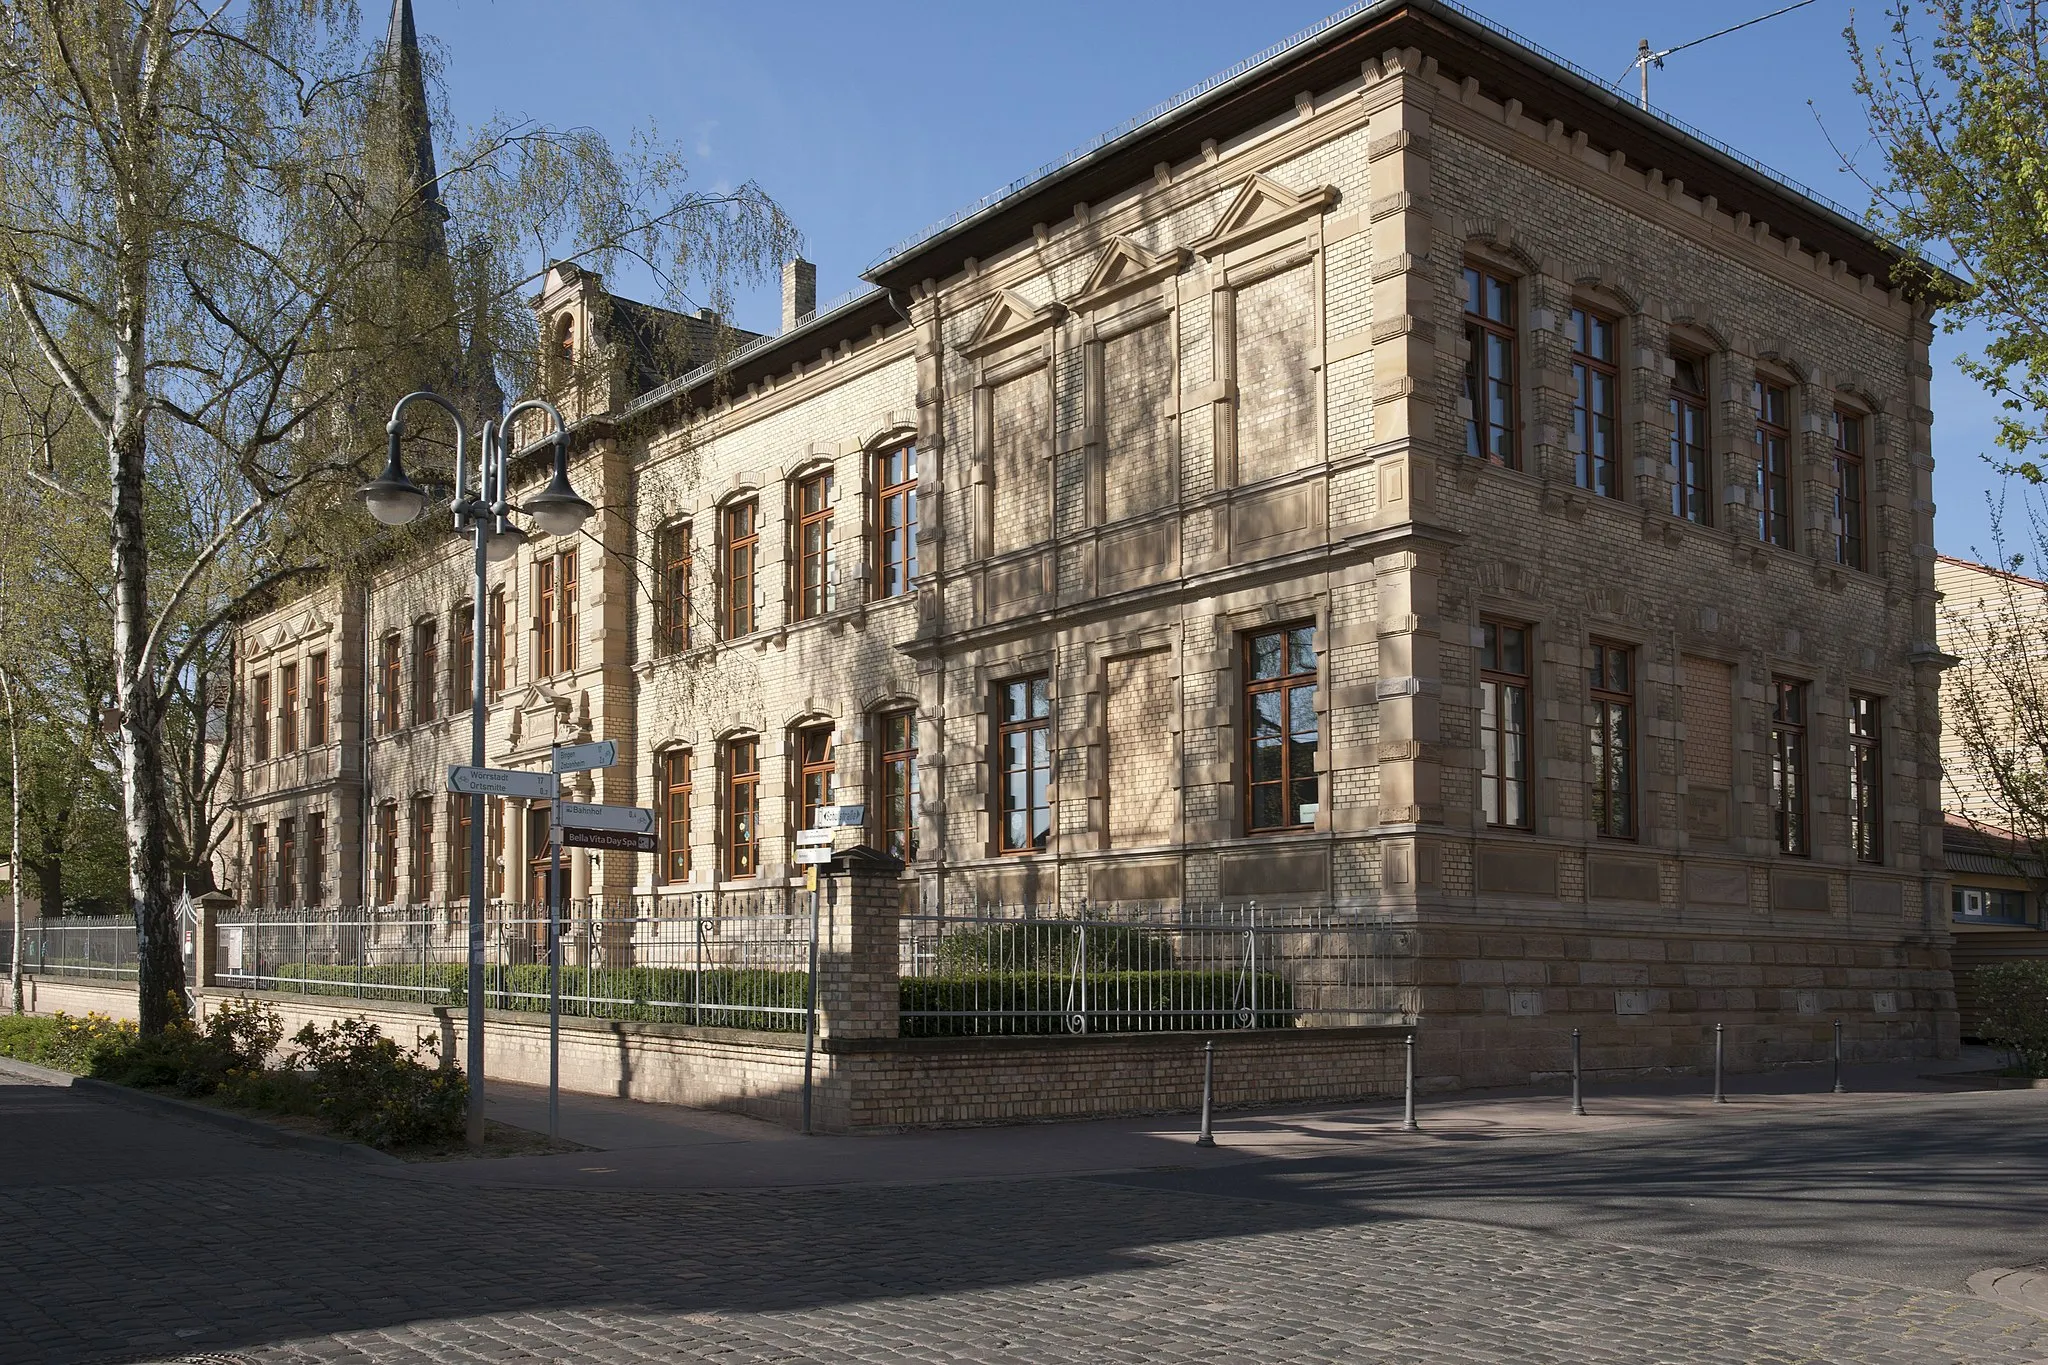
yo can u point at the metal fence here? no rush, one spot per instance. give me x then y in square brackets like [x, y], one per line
[642, 959]
[99, 946]
[1143, 967]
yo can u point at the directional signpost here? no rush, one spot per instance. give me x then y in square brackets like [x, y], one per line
[610, 840]
[501, 782]
[576, 758]
[632, 819]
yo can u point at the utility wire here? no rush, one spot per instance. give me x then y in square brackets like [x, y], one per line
[1658, 57]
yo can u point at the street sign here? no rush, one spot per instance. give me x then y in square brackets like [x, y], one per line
[840, 817]
[812, 853]
[501, 782]
[576, 758]
[630, 819]
[813, 836]
[613, 840]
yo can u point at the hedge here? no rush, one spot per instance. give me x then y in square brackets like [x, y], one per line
[1118, 1002]
[2013, 1000]
[731, 997]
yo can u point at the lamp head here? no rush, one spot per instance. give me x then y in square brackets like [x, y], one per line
[392, 498]
[503, 542]
[557, 509]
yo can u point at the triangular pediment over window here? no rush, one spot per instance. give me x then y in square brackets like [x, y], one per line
[1009, 318]
[1124, 266]
[1262, 205]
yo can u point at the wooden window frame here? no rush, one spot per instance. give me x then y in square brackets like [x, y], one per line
[316, 700]
[743, 807]
[1692, 462]
[1866, 777]
[1036, 690]
[1612, 746]
[568, 616]
[1480, 327]
[896, 772]
[740, 548]
[1851, 488]
[817, 772]
[544, 617]
[1500, 683]
[813, 540]
[316, 857]
[391, 682]
[1789, 758]
[496, 627]
[896, 540]
[677, 789]
[494, 847]
[1774, 463]
[259, 727]
[1293, 680]
[420, 872]
[387, 853]
[1588, 368]
[426, 671]
[287, 858]
[460, 822]
[462, 668]
[674, 563]
[259, 865]
[288, 709]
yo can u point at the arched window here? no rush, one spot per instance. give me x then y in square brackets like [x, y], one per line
[565, 348]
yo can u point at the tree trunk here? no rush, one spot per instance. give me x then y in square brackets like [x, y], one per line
[14, 842]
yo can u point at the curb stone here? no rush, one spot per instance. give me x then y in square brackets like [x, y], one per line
[29, 1071]
[247, 1126]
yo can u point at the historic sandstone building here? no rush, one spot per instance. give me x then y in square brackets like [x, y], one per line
[1400, 475]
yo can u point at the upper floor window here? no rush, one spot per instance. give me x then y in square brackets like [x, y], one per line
[1493, 431]
[555, 617]
[287, 861]
[817, 774]
[1595, 379]
[1504, 723]
[1788, 765]
[316, 700]
[1990, 905]
[896, 520]
[742, 553]
[259, 724]
[1611, 683]
[899, 783]
[814, 500]
[288, 709]
[1866, 778]
[426, 670]
[1849, 495]
[1024, 764]
[391, 683]
[1691, 462]
[675, 811]
[1281, 730]
[672, 589]
[1773, 404]
[259, 864]
[465, 657]
[496, 626]
[742, 807]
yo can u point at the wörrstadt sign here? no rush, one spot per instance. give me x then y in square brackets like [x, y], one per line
[501, 782]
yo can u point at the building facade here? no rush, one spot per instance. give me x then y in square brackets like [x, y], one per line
[1401, 476]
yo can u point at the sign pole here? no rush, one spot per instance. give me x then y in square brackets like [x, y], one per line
[555, 977]
[811, 998]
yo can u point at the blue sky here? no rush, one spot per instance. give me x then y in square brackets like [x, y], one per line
[870, 121]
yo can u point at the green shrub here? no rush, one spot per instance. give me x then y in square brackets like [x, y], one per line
[367, 1089]
[2014, 1000]
[1117, 1002]
[1050, 945]
[61, 1040]
[236, 1042]
[729, 997]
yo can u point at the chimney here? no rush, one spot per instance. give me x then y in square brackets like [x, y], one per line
[799, 292]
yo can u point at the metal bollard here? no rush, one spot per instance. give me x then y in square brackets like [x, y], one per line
[1840, 1089]
[1720, 1095]
[1578, 1104]
[1206, 1138]
[1408, 1121]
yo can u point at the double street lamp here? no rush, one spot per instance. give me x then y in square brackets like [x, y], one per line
[395, 500]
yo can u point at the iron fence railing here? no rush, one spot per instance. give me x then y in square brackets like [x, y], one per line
[640, 959]
[99, 946]
[1133, 967]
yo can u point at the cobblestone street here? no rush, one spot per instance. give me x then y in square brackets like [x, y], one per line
[129, 1238]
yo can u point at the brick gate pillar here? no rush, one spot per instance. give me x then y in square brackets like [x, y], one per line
[862, 898]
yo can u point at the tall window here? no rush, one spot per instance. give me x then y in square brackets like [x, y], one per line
[1492, 432]
[494, 845]
[426, 670]
[1866, 778]
[554, 589]
[544, 618]
[742, 549]
[1773, 404]
[259, 864]
[259, 724]
[1504, 723]
[392, 682]
[288, 709]
[899, 784]
[1788, 765]
[675, 809]
[422, 887]
[1594, 382]
[496, 626]
[567, 618]
[1611, 682]
[287, 861]
[1024, 747]
[742, 807]
[1848, 433]
[460, 824]
[817, 774]
[814, 546]
[387, 853]
[1691, 491]
[316, 701]
[316, 857]
[465, 657]
[896, 520]
[1281, 729]
[672, 589]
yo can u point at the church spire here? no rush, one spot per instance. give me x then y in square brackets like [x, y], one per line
[407, 96]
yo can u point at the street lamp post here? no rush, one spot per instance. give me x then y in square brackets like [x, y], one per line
[394, 499]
